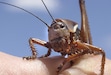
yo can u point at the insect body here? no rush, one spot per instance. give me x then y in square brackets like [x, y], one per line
[65, 37]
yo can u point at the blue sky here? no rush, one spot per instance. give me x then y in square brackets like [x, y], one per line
[16, 26]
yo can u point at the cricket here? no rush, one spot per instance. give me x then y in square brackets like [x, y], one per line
[66, 38]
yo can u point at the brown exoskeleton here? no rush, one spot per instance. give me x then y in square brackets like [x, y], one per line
[65, 37]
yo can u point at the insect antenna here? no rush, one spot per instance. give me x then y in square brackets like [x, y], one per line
[48, 11]
[25, 11]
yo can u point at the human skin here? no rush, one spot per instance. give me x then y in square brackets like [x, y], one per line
[86, 65]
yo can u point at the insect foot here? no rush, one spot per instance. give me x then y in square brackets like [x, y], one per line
[30, 57]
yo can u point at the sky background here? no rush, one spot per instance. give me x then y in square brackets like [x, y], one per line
[17, 26]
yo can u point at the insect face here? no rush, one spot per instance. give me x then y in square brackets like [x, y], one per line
[60, 35]
[61, 28]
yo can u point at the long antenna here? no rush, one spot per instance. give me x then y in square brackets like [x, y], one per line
[48, 10]
[26, 11]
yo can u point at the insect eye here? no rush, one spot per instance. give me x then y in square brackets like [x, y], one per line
[62, 26]
[58, 25]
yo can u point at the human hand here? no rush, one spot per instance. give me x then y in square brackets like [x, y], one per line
[11, 65]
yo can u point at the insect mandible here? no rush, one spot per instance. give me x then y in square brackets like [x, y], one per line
[66, 38]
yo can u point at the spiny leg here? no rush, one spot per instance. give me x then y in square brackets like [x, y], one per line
[84, 48]
[33, 41]
[98, 51]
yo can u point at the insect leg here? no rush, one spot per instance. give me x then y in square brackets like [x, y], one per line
[69, 59]
[98, 51]
[33, 41]
[82, 50]
[85, 30]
